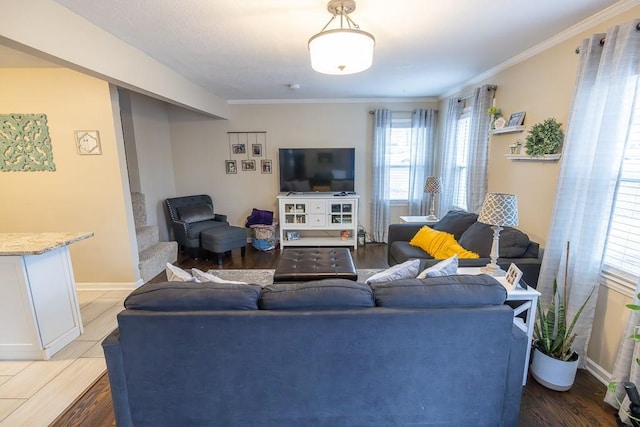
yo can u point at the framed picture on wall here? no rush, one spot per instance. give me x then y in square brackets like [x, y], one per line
[239, 148]
[256, 150]
[88, 142]
[248, 165]
[265, 166]
[230, 166]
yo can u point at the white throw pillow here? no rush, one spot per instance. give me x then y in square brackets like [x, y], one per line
[406, 270]
[176, 274]
[447, 267]
[201, 276]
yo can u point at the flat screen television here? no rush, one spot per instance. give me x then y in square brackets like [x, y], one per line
[317, 169]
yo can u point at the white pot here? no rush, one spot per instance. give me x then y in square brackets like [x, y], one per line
[553, 373]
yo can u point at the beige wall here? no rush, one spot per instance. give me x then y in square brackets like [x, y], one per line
[201, 145]
[543, 87]
[85, 193]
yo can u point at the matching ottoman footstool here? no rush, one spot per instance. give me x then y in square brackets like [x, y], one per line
[220, 240]
[304, 264]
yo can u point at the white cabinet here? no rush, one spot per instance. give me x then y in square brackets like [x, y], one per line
[39, 309]
[321, 219]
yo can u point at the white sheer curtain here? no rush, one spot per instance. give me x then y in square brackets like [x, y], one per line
[380, 187]
[621, 60]
[446, 164]
[599, 122]
[423, 126]
[479, 147]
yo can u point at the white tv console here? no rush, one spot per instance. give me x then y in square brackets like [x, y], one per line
[318, 219]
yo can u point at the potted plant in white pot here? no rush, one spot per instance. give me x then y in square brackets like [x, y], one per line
[554, 362]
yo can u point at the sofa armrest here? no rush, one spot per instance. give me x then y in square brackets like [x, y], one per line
[513, 386]
[117, 380]
[221, 218]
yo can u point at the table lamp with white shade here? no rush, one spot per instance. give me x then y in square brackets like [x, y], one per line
[498, 210]
[433, 186]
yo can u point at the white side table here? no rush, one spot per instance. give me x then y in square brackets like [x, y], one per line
[529, 303]
[416, 219]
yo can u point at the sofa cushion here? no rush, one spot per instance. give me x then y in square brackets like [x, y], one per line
[456, 222]
[444, 268]
[406, 270]
[174, 296]
[449, 291]
[479, 237]
[316, 295]
[439, 244]
[195, 213]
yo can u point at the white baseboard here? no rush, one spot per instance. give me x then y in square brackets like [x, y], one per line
[597, 371]
[106, 286]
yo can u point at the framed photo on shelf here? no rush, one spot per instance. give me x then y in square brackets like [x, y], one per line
[230, 166]
[248, 165]
[516, 119]
[514, 274]
[265, 166]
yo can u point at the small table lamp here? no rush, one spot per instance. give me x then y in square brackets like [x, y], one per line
[433, 186]
[498, 210]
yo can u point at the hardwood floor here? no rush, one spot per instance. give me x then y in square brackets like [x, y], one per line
[581, 406]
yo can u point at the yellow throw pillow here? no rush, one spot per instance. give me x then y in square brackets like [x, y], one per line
[439, 245]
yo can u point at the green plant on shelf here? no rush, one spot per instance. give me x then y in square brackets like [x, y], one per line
[544, 138]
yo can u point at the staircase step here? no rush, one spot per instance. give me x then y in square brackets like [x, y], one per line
[146, 236]
[154, 259]
[139, 209]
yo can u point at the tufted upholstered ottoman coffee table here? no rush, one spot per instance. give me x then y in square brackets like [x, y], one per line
[220, 240]
[305, 264]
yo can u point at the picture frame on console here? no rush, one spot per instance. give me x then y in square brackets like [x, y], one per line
[513, 276]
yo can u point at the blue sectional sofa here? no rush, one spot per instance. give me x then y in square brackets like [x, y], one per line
[440, 351]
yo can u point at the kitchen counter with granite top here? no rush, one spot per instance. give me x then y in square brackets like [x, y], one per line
[16, 244]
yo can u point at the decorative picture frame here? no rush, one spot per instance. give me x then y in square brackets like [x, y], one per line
[230, 167]
[266, 166]
[514, 274]
[239, 148]
[256, 150]
[88, 142]
[516, 119]
[293, 235]
[248, 165]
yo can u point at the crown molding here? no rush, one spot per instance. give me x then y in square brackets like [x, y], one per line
[330, 100]
[579, 28]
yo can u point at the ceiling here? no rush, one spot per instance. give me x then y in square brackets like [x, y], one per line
[254, 49]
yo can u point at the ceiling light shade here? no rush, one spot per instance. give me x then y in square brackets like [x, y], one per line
[344, 50]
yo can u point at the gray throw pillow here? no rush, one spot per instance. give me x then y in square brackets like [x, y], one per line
[479, 237]
[195, 213]
[456, 222]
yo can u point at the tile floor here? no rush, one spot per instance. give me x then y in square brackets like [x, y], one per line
[34, 393]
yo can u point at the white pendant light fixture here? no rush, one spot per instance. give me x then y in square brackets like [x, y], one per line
[342, 50]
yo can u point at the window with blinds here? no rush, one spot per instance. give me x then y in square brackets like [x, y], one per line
[622, 251]
[462, 160]
[399, 159]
